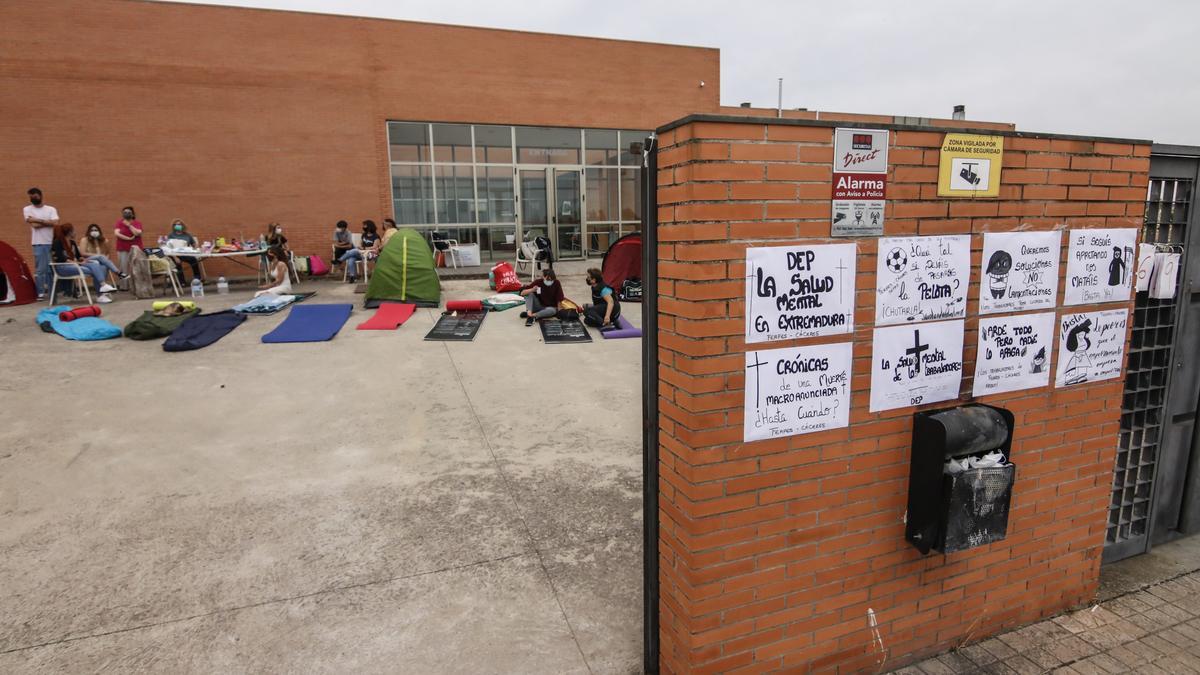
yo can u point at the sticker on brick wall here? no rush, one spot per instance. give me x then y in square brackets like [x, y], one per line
[797, 390]
[860, 150]
[916, 364]
[1099, 266]
[799, 291]
[969, 165]
[922, 278]
[1091, 347]
[1019, 271]
[859, 182]
[1014, 353]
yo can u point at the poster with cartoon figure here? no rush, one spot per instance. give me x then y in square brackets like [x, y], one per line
[1100, 265]
[922, 278]
[1014, 353]
[916, 364]
[1091, 347]
[1020, 271]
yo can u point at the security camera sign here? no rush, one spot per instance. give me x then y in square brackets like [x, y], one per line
[1020, 271]
[969, 165]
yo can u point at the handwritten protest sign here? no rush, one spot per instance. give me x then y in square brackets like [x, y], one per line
[799, 291]
[922, 278]
[1020, 271]
[916, 364]
[1014, 353]
[1100, 265]
[796, 390]
[1091, 347]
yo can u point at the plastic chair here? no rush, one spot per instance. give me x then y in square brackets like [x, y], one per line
[163, 267]
[292, 267]
[79, 277]
[533, 255]
[446, 246]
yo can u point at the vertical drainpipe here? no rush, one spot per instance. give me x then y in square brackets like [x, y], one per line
[650, 405]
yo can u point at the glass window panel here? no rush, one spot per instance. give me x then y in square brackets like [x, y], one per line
[455, 193]
[631, 195]
[498, 241]
[544, 145]
[602, 194]
[496, 196]
[631, 147]
[600, 237]
[412, 194]
[410, 142]
[493, 145]
[601, 147]
[451, 143]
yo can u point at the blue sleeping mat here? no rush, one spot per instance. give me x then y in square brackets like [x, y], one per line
[310, 323]
[202, 330]
[87, 328]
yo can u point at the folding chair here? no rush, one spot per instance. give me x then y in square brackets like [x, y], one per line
[533, 255]
[292, 267]
[78, 277]
[446, 246]
[164, 267]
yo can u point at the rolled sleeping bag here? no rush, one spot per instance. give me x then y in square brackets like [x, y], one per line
[163, 304]
[464, 305]
[79, 313]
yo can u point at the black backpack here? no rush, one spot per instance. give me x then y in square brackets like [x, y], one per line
[631, 290]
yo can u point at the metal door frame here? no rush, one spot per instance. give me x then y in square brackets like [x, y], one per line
[549, 172]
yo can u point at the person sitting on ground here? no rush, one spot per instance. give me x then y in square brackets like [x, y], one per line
[605, 308]
[95, 249]
[389, 229]
[128, 231]
[542, 297]
[64, 252]
[343, 241]
[369, 248]
[180, 234]
[280, 282]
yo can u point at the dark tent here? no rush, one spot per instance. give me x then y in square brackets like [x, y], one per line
[405, 272]
[16, 283]
[623, 260]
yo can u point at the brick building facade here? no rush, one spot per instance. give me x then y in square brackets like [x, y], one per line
[772, 554]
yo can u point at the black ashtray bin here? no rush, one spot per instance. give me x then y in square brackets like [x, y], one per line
[952, 512]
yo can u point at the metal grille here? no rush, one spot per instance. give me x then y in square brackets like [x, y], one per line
[1150, 348]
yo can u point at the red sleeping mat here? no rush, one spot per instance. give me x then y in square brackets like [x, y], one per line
[389, 316]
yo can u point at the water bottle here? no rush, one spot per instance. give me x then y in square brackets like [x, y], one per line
[197, 289]
[222, 286]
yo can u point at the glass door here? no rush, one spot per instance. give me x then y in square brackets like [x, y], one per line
[551, 207]
[535, 197]
[568, 216]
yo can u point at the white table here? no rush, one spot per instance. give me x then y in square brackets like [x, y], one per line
[201, 256]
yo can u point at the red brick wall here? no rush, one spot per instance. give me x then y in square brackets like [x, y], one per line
[772, 552]
[231, 118]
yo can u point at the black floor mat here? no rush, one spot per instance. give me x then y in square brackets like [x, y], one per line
[457, 326]
[555, 331]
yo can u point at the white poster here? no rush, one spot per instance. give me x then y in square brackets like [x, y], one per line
[922, 278]
[796, 390]
[799, 291]
[860, 150]
[1091, 347]
[916, 364]
[1014, 353]
[1099, 266]
[1020, 271]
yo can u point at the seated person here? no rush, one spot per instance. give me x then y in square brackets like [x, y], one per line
[389, 229]
[343, 241]
[368, 250]
[179, 233]
[281, 281]
[605, 309]
[64, 252]
[95, 248]
[542, 297]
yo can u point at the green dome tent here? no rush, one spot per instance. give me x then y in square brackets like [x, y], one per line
[404, 272]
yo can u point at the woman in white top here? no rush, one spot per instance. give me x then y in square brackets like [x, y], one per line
[280, 283]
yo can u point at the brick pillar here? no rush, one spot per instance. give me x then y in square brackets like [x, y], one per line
[772, 553]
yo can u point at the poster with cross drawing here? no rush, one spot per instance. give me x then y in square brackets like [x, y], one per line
[799, 291]
[916, 364]
[796, 390]
[922, 278]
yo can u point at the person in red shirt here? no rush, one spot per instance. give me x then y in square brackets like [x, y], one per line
[129, 234]
[542, 297]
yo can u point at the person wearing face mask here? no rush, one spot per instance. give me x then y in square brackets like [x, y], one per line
[70, 261]
[542, 297]
[95, 249]
[129, 236]
[275, 238]
[41, 219]
[279, 281]
[369, 249]
[605, 308]
[179, 233]
[342, 240]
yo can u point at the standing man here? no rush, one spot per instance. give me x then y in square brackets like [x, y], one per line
[41, 218]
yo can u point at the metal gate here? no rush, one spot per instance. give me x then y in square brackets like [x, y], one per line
[1154, 479]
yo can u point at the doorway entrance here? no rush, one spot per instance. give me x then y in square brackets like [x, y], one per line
[551, 203]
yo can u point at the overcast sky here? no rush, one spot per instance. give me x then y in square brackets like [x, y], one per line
[1096, 67]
